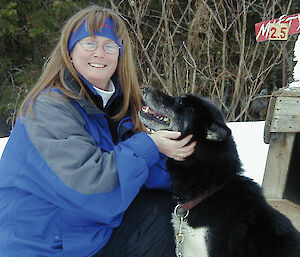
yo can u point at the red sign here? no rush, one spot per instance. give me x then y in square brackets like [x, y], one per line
[267, 30]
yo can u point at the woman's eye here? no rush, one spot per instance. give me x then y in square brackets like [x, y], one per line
[111, 46]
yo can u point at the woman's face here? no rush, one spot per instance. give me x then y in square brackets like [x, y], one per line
[97, 66]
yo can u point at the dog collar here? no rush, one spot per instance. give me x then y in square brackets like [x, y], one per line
[191, 204]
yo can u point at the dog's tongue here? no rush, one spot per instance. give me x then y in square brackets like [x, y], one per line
[148, 110]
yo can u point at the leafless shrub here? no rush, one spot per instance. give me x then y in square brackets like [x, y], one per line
[207, 48]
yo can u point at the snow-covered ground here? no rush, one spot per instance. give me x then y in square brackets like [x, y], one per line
[249, 139]
[2, 144]
[296, 72]
[250, 145]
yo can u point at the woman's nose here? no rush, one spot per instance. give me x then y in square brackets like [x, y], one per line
[99, 52]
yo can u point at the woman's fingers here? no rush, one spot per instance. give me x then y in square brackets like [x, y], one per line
[176, 149]
[184, 141]
[169, 134]
[187, 149]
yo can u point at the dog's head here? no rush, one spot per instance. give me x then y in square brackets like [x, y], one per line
[188, 114]
[215, 159]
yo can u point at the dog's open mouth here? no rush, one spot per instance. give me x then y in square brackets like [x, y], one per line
[158, 117]
[153, 117]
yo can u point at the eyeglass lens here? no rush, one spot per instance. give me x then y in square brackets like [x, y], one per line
[109, 48]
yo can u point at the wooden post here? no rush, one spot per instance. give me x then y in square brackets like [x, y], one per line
[291, 210]
[282, 129]
[277, 166]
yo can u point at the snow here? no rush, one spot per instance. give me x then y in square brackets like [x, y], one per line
[252, 150]
[296, 72]
[250, 146]
[3, 141]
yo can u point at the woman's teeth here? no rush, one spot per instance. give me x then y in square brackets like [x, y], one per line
[95, 65]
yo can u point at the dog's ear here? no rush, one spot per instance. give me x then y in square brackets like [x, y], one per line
[218, 132]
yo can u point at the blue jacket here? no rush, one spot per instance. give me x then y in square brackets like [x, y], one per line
[67, 175]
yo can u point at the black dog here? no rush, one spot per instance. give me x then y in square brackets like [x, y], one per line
[235, 219]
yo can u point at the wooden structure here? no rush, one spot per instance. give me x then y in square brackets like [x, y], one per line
[281, 183]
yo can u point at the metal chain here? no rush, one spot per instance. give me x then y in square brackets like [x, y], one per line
[181, 215]
[179, 239]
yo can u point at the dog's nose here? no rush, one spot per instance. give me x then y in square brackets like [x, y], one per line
[149, 89]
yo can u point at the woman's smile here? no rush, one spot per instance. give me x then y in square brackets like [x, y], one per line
[96, 65]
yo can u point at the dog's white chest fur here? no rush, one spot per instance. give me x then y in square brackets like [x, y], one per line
[195, 242]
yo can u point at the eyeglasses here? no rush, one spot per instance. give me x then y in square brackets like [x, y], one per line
[109, 48]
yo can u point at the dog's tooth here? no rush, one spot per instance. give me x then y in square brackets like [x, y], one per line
[145, 109]
[166, 119]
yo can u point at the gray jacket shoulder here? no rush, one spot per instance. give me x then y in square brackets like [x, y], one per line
[57, 131]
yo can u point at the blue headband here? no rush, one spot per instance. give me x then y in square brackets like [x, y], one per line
[106, 31]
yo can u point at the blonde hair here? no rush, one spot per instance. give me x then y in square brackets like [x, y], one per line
[59, 61]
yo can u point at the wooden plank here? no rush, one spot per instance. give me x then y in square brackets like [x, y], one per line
[287, 105]
[286, 115]
[293, 92]
[291, 210]
[277, 165]
[269, 119]
[286, 123]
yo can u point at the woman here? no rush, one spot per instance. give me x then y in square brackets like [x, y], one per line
[78, 158]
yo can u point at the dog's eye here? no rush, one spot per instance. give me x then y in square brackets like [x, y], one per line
[180, 102]
[191, 108]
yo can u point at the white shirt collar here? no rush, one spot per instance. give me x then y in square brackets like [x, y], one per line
[106, 94]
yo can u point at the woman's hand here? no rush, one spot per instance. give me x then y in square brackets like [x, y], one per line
[167, 144]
